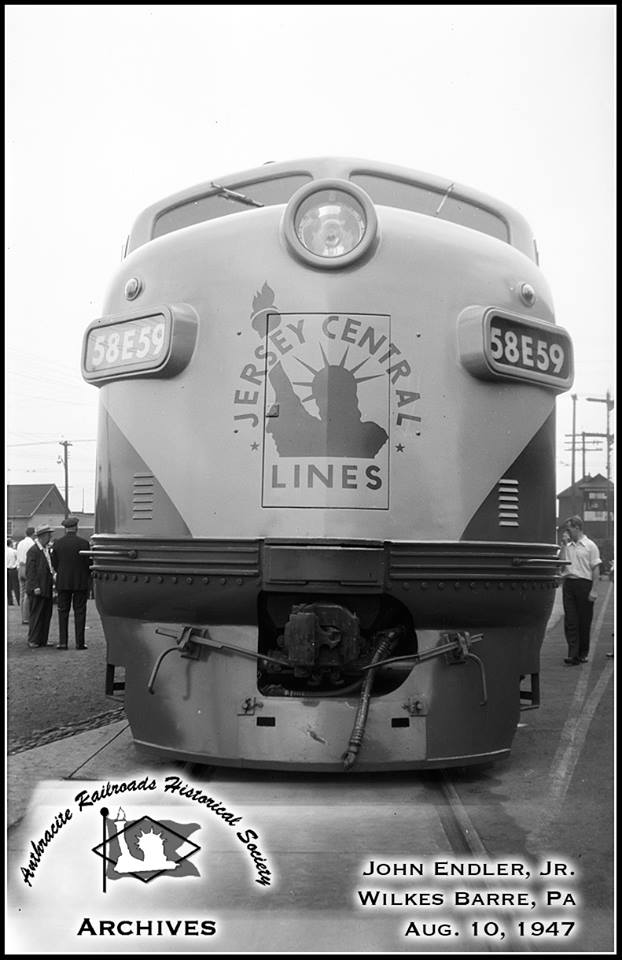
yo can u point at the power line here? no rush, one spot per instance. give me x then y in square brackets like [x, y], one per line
[47, 443]
[29, 396]
[30, 360]
[47, 378]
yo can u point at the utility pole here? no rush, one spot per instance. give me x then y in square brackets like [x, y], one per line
[574, 433]
[609, 439]
[65, 461]
[590, 443]
[610, 405]
[587, 446]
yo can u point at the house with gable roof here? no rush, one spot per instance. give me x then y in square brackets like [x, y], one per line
[32, 504]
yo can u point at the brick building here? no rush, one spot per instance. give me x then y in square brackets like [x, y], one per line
[592, 499]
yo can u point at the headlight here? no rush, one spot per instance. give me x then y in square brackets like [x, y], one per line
[330, 223]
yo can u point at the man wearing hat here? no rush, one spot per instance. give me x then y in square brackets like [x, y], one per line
[73, 578]
[40, 587]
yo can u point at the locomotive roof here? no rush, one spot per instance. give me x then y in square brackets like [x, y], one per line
[432, 193]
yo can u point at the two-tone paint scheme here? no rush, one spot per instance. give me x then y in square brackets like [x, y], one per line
[255, 547]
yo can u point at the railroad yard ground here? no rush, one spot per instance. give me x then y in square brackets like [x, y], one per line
[552, 799]
[52, 693]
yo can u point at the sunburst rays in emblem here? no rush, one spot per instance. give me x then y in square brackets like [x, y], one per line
[322, 373]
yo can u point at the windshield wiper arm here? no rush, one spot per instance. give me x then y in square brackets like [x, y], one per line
[232, 195]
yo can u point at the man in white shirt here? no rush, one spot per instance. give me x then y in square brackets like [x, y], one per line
[22, 550]
[12, 583]
[580, 590]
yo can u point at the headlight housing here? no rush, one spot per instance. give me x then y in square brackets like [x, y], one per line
[330, 223]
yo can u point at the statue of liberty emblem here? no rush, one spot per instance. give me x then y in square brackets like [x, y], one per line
[151, 846]
[338, 430]
[145, 848]
[327, 410]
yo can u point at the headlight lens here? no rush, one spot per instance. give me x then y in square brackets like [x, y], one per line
[330, 223]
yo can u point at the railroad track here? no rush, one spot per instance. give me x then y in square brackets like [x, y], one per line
[337, 837]
[50, 735]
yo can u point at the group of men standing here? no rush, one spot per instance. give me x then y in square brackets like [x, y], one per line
[44, 567]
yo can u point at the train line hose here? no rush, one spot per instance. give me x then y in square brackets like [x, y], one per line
[360, 721]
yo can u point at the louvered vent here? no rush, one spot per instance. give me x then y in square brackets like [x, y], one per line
[142, 496]
[507, 499]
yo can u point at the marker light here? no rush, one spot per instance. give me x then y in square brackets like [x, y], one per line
[330, 223]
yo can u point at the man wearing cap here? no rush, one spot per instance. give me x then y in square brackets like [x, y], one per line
[40, 587]
[73, 578]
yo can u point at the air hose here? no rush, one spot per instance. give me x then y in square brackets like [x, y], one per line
[356, 737]
[311, 694]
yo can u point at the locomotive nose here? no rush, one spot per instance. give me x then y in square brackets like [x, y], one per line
[330, 223]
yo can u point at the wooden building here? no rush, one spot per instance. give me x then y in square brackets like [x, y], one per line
[592, 499]
[33, 504]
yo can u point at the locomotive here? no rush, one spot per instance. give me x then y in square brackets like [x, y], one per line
[325, 505]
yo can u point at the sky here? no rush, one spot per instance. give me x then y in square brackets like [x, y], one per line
[110, 108]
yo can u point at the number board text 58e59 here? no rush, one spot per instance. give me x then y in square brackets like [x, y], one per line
[154, 343]
[495, 345]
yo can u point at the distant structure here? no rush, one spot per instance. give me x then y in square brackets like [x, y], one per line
[592, 499]
[33, 504]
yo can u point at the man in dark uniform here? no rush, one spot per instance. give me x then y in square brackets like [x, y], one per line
[40, 587]
[73, 579]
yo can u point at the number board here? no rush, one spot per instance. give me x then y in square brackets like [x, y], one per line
[528, 350]
[146, 344]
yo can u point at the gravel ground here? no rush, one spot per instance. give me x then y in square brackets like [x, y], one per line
[55, 693]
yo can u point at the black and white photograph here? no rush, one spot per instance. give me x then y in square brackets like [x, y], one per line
[310, 426]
